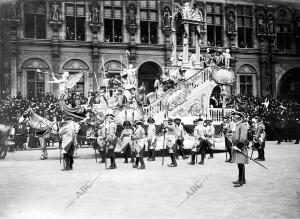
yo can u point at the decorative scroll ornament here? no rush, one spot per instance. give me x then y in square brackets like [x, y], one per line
[223, 76]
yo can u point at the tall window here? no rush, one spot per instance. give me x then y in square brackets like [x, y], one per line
[113, 21]
[149, 22]
[284, 30]
[35, 84]
[246, 84]
[75, 21]
[214, 24]
[35, 20]
[245, 26]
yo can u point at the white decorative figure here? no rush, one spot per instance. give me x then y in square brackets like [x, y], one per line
[131, 80]
[187, 11]
[227, 58]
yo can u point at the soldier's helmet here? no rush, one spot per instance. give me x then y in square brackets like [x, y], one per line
[150, 120]
[138, 122]
[126, 124]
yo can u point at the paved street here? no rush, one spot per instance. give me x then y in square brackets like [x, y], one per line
[32, 188]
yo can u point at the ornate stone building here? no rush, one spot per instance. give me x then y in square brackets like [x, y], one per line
[89, 36]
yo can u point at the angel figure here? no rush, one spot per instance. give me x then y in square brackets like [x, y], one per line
[66, 82]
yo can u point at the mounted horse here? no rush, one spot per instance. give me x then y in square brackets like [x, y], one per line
[46, 129]
[6, 134]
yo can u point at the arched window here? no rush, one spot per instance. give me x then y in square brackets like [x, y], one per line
[35, 77]
[284, 29]
[246, 80]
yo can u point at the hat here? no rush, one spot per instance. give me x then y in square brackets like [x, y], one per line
[110, 115]
[237, 114]
[91, 90]
[102, 87]
[170, 120]
[126, 123]
[257, 118]
[177, 119]
[198, 120]
[150, 120]
[138, 122]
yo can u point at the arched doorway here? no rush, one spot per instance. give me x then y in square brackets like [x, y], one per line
[215, 100]
[147, 74]
[289, 86]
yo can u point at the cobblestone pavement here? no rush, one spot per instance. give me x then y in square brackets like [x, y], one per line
[32, 188]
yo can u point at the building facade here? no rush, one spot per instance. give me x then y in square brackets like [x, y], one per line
[45, 36]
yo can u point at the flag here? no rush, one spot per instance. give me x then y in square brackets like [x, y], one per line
[127, 53]
[104, 74]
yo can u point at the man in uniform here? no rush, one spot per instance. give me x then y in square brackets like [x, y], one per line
[179, 137]
[139, 142]
[110, 139]
[209, 132]
[259, 138]
[240, 144]
[151, 132]
[126, 141]
[102, 142]
[227, 130]
[171, 142]
[199, 137]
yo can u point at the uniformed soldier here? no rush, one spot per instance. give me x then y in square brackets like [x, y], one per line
[179, 133]
[199, 137]
[139, 142]
[126, 141]
[259, 138]
[152, 140]
[110, 139]
[240, 144]
[101, 141]
[227, 130]
[171, 142]
[209, 132]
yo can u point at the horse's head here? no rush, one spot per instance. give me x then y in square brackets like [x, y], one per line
[25, 117]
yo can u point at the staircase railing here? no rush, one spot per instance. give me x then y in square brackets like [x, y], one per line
[190, 84]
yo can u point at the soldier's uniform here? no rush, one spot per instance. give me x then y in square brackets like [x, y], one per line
[110, 140]
[240, 141]
[209, 132]
[171, 142]
[260, 139]
[139, 143]
[199, 137]
[101, 142]
[151, 137]
[227, 130]
[126, 141]
[179, 132]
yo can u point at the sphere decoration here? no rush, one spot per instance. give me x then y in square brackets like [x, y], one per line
[223, 76]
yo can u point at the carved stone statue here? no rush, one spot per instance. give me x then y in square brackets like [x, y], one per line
[55, 12]
[187, 11]
[261, 24]
[231, 22]
[131, 15]
[95, 9]
[227, 58]
[197, 14]
[167, 17]
[271, 24]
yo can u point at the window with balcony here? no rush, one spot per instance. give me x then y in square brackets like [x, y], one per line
[214, 22]
[245, 26]
[35, 20]
[113, 21]
[148, 24]
[75, 21]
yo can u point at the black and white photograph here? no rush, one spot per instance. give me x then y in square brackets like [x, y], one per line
[149, 109]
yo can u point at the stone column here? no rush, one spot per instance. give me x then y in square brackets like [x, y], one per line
[185, 46]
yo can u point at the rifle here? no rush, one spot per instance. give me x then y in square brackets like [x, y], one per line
[253, 160]
[164, 143]
[95, 148]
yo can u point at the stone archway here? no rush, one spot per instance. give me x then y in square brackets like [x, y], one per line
[147, 73]
[289, 85]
